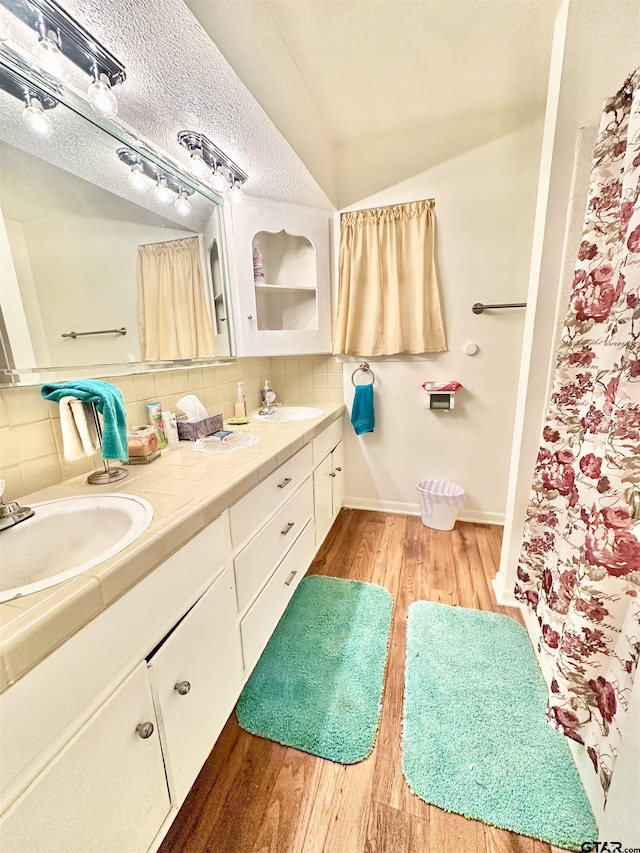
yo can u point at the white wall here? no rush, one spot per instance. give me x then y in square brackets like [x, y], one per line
[485, 202]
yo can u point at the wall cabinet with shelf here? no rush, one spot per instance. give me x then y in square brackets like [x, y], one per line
[282, 287]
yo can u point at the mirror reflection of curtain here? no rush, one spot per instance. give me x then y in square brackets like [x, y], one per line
[388, 296]
[173, 315]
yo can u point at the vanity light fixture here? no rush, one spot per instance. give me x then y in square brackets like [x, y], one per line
[221, 172]
[235, 193]
[167, 188]
[46, 51]
[162, 192]
[5, 26]
[35, 100]
[36, 118]
[182, 205]
[137, 178]
[60, 39]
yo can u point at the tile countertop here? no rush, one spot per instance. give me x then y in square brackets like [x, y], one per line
[188, 490]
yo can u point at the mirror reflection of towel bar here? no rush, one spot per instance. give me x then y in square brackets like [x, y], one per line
[74, 335]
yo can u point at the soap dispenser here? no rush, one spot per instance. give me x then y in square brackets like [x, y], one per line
[264, 391]
[241, 402]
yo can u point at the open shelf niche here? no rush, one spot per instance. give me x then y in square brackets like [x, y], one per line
[286, 298]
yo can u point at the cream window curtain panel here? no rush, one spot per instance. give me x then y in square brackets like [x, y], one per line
[388, 295]
[173, 315]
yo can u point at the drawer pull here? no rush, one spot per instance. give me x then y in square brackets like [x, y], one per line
[183, 687]
[145, 730]
[287, 528]
[284, 483]
[289, 580]
[338, 469]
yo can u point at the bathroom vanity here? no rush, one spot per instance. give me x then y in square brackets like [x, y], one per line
[104, 732]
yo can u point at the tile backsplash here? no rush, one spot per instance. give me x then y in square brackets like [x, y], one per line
[30, 438]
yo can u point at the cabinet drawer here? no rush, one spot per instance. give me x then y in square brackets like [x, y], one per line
[247, 515]
[263, 616]
[326, 441]
[256, 561]
[196, 677]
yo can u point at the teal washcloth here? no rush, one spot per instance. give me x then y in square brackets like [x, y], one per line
[108, 400]
[362, 415]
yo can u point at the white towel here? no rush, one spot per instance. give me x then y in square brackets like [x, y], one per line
[79, 435]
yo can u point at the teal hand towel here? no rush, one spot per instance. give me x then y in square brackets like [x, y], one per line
[109, 403]
[362, 415]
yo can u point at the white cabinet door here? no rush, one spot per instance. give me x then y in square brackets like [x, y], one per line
[337, 465]
[322, 499]
[196, 676]
[105, 792]
[289, 311]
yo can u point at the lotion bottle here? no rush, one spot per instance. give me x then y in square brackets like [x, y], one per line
[241, 402]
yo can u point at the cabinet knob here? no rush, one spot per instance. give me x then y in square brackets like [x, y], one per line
[183, 687]
[287, 528]
[249, 316]
[145, 730]
[338, 469]
[332, 474]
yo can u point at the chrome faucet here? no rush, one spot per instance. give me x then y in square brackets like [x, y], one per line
[270, 404]
[12, 513]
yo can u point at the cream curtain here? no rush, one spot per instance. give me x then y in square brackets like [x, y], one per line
[388, 296]
[173, 315]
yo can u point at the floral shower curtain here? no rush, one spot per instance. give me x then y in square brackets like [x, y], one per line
[580, 564]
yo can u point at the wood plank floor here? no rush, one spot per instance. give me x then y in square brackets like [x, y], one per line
[255, 796]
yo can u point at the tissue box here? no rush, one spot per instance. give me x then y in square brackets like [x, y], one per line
[194, 428]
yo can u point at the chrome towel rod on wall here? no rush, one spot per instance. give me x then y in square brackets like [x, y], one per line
[478, 308]
[74, 335]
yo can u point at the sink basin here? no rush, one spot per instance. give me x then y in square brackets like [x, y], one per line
[66, 537]
[290, 413]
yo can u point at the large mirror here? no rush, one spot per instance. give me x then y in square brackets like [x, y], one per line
[96, 270]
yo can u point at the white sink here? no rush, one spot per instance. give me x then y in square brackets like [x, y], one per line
[290, 413]
[66, 537]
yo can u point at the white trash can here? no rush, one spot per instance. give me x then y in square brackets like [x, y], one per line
[439, 503]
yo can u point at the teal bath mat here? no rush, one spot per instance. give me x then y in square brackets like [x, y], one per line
[475, 740]
[318, 685]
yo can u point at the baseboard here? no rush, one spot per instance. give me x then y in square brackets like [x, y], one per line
[399, 508]
[504, 596]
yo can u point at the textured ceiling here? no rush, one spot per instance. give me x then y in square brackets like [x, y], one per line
[386, 88]
[177, 79]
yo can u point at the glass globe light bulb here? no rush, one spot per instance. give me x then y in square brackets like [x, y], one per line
[162, 192]
[182, 205]
[36, 119]
[137, 178]
[5, 26]
[219, 182]
[235, 193]
[100, 96]
[199, 166]
[47, 56]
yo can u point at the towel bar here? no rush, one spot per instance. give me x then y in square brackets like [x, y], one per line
[74, 335]
[364, 367]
